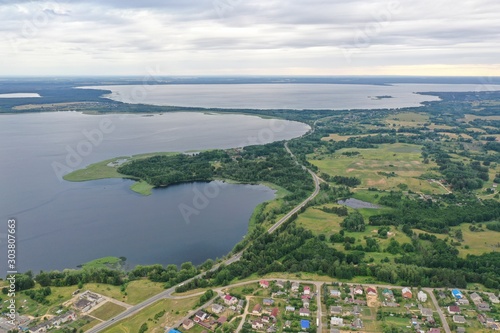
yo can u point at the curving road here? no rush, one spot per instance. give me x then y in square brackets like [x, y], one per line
[168, 292]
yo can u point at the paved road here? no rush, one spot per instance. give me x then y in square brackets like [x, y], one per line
[168, 293]
[446, 327]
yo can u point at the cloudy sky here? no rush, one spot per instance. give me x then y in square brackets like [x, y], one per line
[260, 37]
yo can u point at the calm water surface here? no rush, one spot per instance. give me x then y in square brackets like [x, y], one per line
[62, 224]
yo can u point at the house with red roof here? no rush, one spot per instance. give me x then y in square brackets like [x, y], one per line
[264, 283]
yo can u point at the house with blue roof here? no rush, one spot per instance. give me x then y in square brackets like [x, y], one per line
[457, 294]
[305, 324]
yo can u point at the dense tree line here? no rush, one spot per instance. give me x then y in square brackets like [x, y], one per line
[267, 163]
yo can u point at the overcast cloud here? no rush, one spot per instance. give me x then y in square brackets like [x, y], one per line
[231, 37]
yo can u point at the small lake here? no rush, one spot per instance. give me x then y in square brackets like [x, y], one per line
[63, 224]
[355, 203]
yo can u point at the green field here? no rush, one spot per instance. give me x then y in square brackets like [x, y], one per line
[404, 160]
[105, 262]
[107, 311]
[174, 311]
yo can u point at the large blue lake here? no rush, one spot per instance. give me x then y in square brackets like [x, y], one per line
[63, 224]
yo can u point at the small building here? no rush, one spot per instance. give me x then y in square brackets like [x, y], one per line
[230, 300]
[264, 283]
[493, 298]
[426, 312]
[463, 301]
[265, 319]
[307, 290]
[484, 307]
[458, 319]
[457, 294]
[274, 313]
[334, 330]
[335, 310]
[434, 330]
[335, 293]
[453, 309]
[257, 324]
[201, 315]
[305, 324]
[187, 324]
[422, 297]
[222, 320]
[289, 308]
[358, 290]
[217, 308]
[304, 312]
[241, 304]
[337, 321]
[356, 310]
[460, 329]
[476, 298]
[406, 292]
[371, 291]
[268, 301]
[388, 293]
[280, 284]
[357, 324]
[295, 286]
[257, 310]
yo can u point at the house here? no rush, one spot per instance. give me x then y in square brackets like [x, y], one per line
[307, 290]
[334, 330]
[305, 303]
[493, 298]
[485, 307]
[241, 304]
[264, 283]
[482, 319]
[337, 321]
[463, 301]
[406, 292]
[266, 319]
[358, 290]
[457, 294]
[280, 284]
[257, 325]
[187, 324]
[230, 300]
[201, 315]
[335, 309]
[304, 312]
[476, 298]
[371, 291]
[422, 297]
[435, 330]
[460, 329]
[391, 304]
[304, 324]
[426, 312]
[268, 301]
[288, 324]
[441, 295]
[335, 293]
[453, 309]
[356, 310]
[458, 319]
[295, 286]
[274, 313]
[222, 320]
[257, 309]
[388, 293]
[357, 324]
[272, 329]
[289, 308]
[217, 308]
